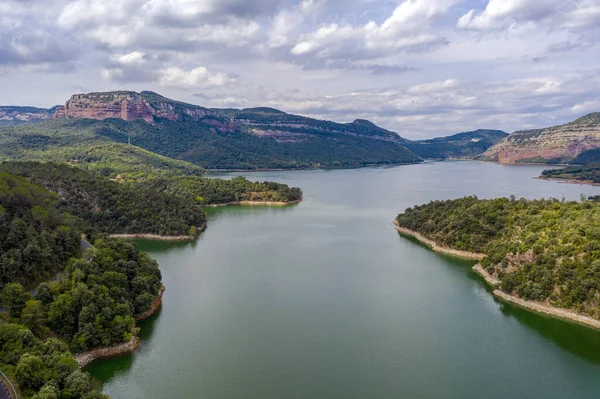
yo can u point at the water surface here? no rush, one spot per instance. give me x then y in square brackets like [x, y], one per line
[326, 300]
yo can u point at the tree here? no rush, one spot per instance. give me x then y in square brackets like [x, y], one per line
[34, 317]
[76, 385]
[48, 391]
[30, 372]
[14, 298]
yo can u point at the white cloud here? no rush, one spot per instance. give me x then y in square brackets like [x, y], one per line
[199, 77]
[405, 30]
[502, 14]
[586, 106]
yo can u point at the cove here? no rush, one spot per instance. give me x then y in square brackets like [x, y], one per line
[325, 299]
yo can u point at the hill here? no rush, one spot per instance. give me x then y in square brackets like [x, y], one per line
[92, 302]
[559, 144]
[13, 115]
[254, 138]
[458, 146]
[545, 250]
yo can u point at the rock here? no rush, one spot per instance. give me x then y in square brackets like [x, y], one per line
[560, 143]
[128, 105]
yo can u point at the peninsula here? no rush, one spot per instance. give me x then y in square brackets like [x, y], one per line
[541, 255]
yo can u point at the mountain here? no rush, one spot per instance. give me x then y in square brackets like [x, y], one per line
[461, 145]
[253, 138]
[559, 144]
[10, 115]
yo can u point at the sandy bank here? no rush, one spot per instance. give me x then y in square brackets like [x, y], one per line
[550, 310]
[569, 181]
[491, 280]
[157, 236]
[85, 358]
[252, 203]
[539, 307]
[436, 247]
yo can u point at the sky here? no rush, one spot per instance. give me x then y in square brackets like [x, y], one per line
[421, 68]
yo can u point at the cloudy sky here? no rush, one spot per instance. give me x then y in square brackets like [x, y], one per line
[422, 68]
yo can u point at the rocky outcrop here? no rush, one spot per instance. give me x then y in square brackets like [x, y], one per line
[559, 144]
[128, 105]
[262, 122]
[85, 358]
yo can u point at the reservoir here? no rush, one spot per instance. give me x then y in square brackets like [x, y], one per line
[326, 300]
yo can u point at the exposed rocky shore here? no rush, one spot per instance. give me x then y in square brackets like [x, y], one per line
[434, 246]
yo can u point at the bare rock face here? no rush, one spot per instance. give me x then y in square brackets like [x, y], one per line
[128, 106]
[559, 143]
[262, 122]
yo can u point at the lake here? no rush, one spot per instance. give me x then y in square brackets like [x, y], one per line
[326, 300]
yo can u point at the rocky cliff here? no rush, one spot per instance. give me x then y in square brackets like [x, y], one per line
[555, 144]
[128, 105]
[261, 122]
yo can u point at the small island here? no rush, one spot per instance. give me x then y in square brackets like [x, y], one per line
[543, 255]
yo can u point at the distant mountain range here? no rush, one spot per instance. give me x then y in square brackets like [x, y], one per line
[18, 115]
[458, 146]
[559, 144]
[253, 138]
[262, 138]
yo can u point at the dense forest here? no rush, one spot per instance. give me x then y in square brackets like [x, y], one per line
[543, 250]
[90, 299]
[199, 143]
[111, 207]
[218, 191]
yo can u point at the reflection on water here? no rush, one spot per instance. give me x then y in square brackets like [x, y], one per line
[580, 340]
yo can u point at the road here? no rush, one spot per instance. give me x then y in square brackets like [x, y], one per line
[4, 394]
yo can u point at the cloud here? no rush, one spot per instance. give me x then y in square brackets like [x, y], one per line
[586, 106]
[404, 31]
[198, 77]
[503, 14]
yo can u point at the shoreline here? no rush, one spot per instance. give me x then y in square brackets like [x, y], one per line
[254, 203]
[538, 307]
[570, 181]
[310, 168]
[157, 237]
[85, 358]
[437, 248]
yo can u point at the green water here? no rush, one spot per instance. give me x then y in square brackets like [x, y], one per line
[326, 300]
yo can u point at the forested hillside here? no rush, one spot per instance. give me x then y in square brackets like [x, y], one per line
[544, 250]
[254, 140]
[458, 146]
[89, 301]
[110, 207]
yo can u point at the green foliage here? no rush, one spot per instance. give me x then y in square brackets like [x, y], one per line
[543, 250]
[36, 241]
[114, 160]
[252, 143]
[218, 191]
[462, 145]
[43, 369]
[588, 173]
[91, 302]
[108, 206]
